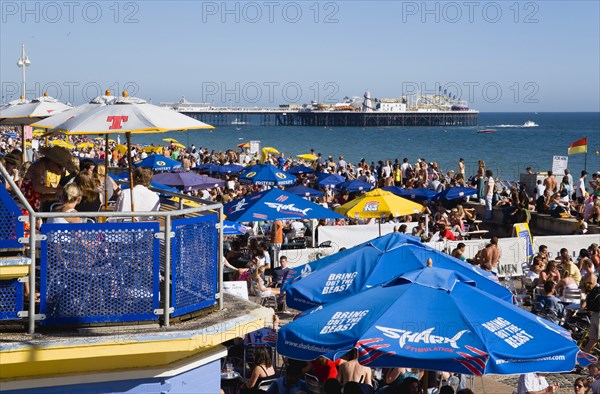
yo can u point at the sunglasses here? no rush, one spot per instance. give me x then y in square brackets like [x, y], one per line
[578, 386]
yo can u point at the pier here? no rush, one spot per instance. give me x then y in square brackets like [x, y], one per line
[281, 117]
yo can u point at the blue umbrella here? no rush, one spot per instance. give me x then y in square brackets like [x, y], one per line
[158, 163]
[266, 174]
[304, 191]
[12, 135]
[301, 170]
[187, 180]
[373, 263]
[354, 186]
[325, 179]
[209, 168]
[454, 193]
[275, 204]
[233, 228]
[418, 194]
[229, 169]
[431, 319]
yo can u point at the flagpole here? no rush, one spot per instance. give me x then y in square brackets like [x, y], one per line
[585, 160]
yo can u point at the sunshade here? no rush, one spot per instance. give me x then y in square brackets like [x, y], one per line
[275, 204]
[152, 149]
[431, 319]
[85, 145]
[229, 169]
[62, 143]
[307, 156]
[121, 148]
[178, 145]
[57, 119]
[304, 191]
[379, 203]
[454, 193]
[153, 184]
[373, 263]
[418, 194]
[207, 168]
[325, 179]
[158, 163]
[354, 186]
[266, 174]
[244, 145]
[173, 140]
[233, 228]
[297, 170]
[187, 180]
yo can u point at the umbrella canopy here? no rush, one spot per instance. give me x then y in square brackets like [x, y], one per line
[454, 193]
[233, 228]
[57, 119]
[158, 163]
[372, 263]
[229, 169]
[178, 145]
[378, 203]
[304, 191]
[418, 194]
[266, 174]
[153, 149]
[153, 184]
[325, 179]
[353, 186]
[301, 170]
[173, 140]
[432, 319]
[187, 180]
[275, 204]
[308, 156]
[244, 145]
[85, 145]
[62, 143]
[208, 168]
[24, 113]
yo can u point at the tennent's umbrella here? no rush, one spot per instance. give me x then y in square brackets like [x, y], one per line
[158, 163]
[171, 140]
[373, 263]
[418, 194]
[266, 174]
[432, 319]
[275, 204]
[307, 156]
[297, 170]
[354, 186]
[233, 228]
[454, 193]
[128, 115]
[304, 191]
[187, 180]
[325, 179]
[23, 112]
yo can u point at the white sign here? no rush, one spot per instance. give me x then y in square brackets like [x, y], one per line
[254, 147]
[559, 165]
[236, 288]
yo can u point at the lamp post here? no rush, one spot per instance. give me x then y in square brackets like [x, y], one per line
[23, 63]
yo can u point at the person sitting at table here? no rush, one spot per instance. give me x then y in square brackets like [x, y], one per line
[71, 196]
[144, 199]
[549, 305]
[280, 272]
[550, 273]
[263, 370]
[257, 283]
[291, 383]
[90, 195]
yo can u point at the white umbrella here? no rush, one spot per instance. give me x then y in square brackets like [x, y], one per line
[55, 120]
[22, 112]
[128, 115]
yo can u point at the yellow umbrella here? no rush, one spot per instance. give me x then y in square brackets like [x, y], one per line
[99, 139]
[152, 149]
[173, 140]
[178, 145]
[28, 143]
[270, 149]
[307, 156]
[187, 202]
[112, 141]
[38, 132]
[62, 143]
[121, 148]
[379, 204]
[85, 145]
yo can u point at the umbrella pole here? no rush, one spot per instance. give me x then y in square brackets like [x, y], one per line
[23, 143]
[128, 136]
[106, 173]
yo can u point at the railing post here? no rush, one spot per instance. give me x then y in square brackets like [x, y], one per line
[32, 253]
[220, 258]
[167, 295]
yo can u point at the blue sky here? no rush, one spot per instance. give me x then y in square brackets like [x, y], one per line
[501, 56]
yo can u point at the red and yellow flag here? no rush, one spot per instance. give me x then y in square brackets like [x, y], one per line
[579, 146]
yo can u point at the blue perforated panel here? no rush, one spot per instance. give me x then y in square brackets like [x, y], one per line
[10, 227]
[11, 299]
[194, 261]
[99, 272]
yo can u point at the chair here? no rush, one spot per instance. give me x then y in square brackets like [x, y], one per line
[571, 296]
[265, 384]
[314, 386]
[263, 300]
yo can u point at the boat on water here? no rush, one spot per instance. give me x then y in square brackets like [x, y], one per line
[238, 122]
[486, 131]
[530, 123]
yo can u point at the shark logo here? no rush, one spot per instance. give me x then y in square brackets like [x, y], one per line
[291, 208]
[239, 206]
[425, 336]
[305, 271]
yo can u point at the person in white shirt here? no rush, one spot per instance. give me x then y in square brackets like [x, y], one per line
[580, 190]
[539, 189]
[534, 383]
[144, 199]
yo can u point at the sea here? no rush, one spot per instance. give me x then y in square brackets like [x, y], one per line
[507, 152]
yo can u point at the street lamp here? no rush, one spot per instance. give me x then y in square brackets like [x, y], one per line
[23, 63]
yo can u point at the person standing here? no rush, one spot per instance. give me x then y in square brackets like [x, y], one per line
[535, 383]
[488, 194]
[580, 191]
[461, 167]
[592, 304]
[550, 183]
[276, 238]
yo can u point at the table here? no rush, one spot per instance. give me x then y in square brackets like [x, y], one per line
[229, 381]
